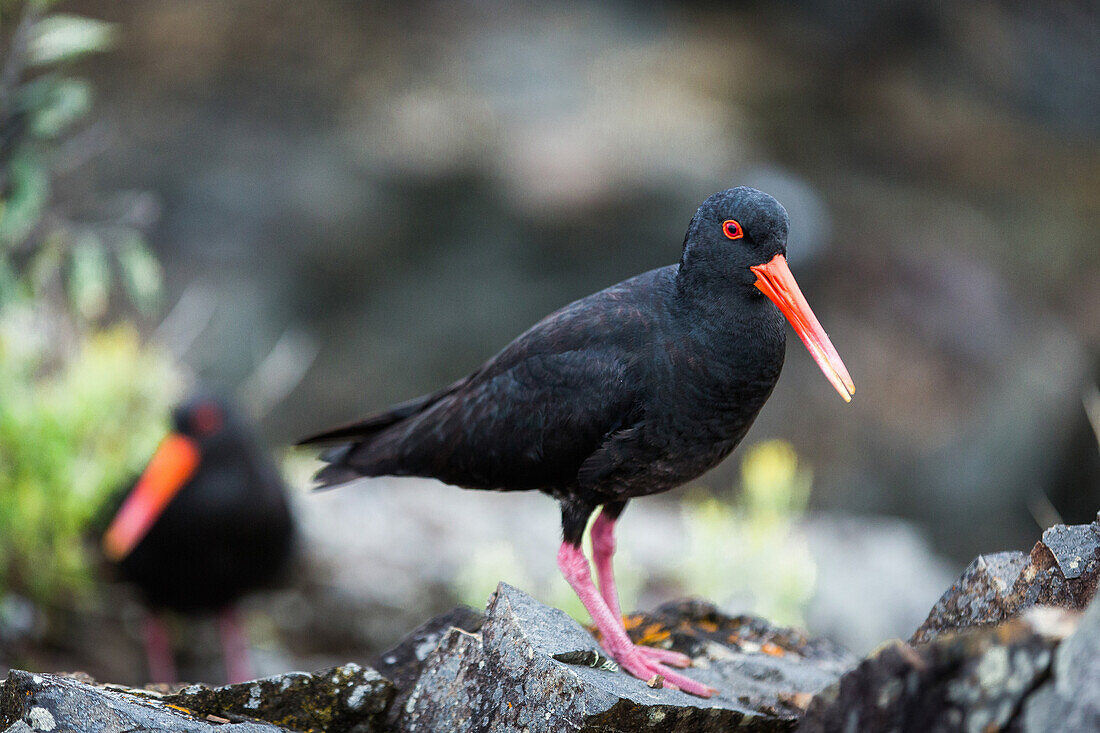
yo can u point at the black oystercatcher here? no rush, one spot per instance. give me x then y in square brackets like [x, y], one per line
[206, 522]
[631, 391]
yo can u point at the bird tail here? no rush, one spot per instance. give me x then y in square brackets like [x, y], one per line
[346, 440]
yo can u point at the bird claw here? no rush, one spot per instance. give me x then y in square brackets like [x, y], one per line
[656, 674]
[666, 657]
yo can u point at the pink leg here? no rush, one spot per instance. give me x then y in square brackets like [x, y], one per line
[574, 566]
[238, 667]
[603, 548]
[158, 650]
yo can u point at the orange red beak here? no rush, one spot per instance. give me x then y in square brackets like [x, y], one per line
[775, 280]
[169, 469]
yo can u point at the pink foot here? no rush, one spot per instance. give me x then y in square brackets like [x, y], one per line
[663, 656]
[640, 664]
[238, 666]
[158, 650]
[603, 549]
[649, 670]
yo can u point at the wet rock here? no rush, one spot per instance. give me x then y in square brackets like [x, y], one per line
[1062, 571]
[346, 698]
[974, 680]
[505, 677]
[46, 702]
[402, 663]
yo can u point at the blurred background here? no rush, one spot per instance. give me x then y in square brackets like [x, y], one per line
[323, 208]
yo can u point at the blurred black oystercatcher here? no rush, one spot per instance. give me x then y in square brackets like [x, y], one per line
[207, 522]
[631, 391]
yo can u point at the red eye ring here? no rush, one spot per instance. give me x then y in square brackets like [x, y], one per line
[732, 229]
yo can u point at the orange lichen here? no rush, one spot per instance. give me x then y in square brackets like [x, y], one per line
[772, 649]
[655, 638]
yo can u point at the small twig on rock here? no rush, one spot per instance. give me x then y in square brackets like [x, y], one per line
[588, 658]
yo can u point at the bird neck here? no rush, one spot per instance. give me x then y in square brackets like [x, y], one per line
[742, 331]
[723, 307]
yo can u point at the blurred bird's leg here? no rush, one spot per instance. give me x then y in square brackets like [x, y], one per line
[158, 650]
[603, 550]
[574, 566]
[238, 666]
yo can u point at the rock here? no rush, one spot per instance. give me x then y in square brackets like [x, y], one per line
[346, 698]
[697, 628]
[505, 677]
[978, 597]
[976, 680]
[402, 663]
[1062, 571]
[46, 702]
[1072, 694]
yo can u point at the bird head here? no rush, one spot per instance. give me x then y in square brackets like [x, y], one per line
[206, 420]
[736, 245]
[198, 426]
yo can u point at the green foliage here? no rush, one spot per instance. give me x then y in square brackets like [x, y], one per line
[56, 105]
[82, 405]
[39, 247]
[59, 38]
[28, 191]
[71, 432]
[139, 270]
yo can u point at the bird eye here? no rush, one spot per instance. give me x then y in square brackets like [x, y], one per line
[207, 419]
[732, 229]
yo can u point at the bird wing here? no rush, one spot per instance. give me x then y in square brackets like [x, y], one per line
[528, 419]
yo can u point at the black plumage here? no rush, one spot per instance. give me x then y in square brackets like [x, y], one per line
[227, 531]
[630, 391]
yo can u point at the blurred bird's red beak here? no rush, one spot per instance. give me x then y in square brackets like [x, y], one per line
[169, 469]
[775, 280]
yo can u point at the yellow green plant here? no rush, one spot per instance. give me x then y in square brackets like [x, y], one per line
[82, 404]
[747, 556]
[72, 430]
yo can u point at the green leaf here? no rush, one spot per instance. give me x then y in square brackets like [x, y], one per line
[63, 37]
[9, 282]
[45, 264]
[65, 102]
[89, 276]
[28, 193]
[140, 272]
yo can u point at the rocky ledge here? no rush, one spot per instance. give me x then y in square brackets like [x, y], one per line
[1013, 645]
[519, 666]
[1008, 647]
